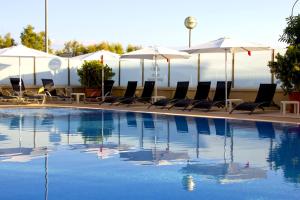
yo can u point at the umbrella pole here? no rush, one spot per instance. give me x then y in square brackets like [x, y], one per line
[119, 72]
[20, 79]
[226, 79]
[102, 125]
[102, 84]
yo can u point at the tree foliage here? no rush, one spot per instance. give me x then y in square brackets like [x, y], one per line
[71, 48]
[286, 68]
[291, 34]
[131, 47]
[6, 41]
[75, 48]
[34, 40]
[90, 73]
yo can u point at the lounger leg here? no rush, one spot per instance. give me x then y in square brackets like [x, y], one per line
[193, 106]
[233, 109]
[275, 105]
[262, 108]
[171, 106]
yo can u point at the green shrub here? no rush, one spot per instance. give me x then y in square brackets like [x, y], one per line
[286, 68]
[90, 74]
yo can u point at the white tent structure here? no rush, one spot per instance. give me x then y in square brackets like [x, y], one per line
[23, 51]
[156, 53]
[226, 45]
[107, 55]
[99, 55]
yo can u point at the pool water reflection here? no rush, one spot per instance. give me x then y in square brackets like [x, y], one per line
[93, 154]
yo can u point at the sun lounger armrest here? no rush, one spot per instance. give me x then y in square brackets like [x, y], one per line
[48, 93]
[173, 100]
[107, 94]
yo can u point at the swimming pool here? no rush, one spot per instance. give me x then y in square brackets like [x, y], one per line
[59, 153]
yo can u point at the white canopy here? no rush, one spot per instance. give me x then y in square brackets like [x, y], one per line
[152, 53]
[23, 51]
[225, 43]
[107, 55]
[156, 53]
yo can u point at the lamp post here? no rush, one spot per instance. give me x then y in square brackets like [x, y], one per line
[190, 23]
[46, 26]
[292, 14]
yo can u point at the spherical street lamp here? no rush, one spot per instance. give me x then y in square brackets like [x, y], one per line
[190, 23]
[293, 8]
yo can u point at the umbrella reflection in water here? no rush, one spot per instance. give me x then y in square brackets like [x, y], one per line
[98, 131]
[21, 154]
[154, 156]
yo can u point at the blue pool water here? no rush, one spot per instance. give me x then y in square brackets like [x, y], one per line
[93, 154]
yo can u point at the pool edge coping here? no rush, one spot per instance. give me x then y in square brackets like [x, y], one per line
[199, 114]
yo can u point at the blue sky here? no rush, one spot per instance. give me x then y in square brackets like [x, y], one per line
[152, 22]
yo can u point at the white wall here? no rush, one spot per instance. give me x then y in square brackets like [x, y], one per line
[249, 70]
[59, 76]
